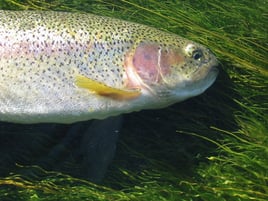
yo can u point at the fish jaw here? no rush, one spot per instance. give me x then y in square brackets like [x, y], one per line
[203, 74]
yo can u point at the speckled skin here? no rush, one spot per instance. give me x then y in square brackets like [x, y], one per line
[41, 53]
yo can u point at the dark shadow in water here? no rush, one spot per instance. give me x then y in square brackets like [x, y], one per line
[83, 149]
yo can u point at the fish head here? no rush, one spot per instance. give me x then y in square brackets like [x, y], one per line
[171, 72]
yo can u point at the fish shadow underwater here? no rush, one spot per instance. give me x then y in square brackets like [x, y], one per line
[90, 145]
[86, 149]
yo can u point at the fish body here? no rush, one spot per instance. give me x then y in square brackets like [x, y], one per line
[67, 67]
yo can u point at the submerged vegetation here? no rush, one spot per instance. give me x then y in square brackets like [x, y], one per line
[212, 147]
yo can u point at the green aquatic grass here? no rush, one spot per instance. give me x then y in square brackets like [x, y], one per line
[212, 147]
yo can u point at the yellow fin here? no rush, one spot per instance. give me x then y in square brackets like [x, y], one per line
[104, 90]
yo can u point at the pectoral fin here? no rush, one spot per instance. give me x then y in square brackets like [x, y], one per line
[104, 90]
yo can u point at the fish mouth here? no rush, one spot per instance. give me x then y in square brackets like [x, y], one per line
[210, 73]
[214, 70]
[199, 82]
[207, 70]
[205, 78]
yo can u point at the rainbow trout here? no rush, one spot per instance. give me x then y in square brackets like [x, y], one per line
[68, 67]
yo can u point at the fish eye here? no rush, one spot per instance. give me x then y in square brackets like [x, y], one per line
[197, 54]
[194, 52]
